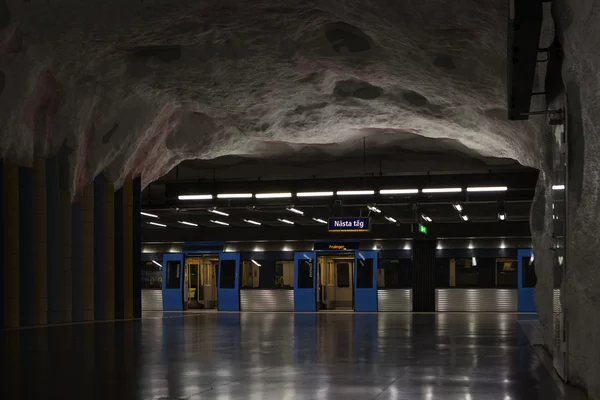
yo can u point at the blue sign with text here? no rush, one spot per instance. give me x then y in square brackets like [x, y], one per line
[349, 224]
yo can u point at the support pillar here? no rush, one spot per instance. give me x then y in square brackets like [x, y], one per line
[39, 245]
[423, 295]
[25, 245]
[88, 252]
[109, 251]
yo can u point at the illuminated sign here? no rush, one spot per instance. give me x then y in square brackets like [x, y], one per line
[419, 229]
[349, 224]
[353, 245]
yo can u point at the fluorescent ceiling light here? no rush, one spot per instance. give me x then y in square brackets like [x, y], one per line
[426, 218]
[273, 195]
[355, 192]
[314, 194]
[399, 191]
[391, 219]
[157, 263]
[187, 223]
[195, 197]
[149, 215]
[285, 221]
[234, 195]
[465, 217]
[442, 190]
[215, 211]
[502, 216]
[457, 207]
[219, 222]
[558, 187]
[474, 261]
[319, 220]
[157, 224]
[374, 209]
[252, 222]
[255, 263]
[295, 210]
[487, 189]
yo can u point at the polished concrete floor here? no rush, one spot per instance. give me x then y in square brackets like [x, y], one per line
[277, 356]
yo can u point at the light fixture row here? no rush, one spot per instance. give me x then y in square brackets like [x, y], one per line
[287, 195]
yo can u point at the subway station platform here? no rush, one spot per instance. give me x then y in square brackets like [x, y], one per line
[278, 356]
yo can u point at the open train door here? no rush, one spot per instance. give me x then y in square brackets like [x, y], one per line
[365, 281]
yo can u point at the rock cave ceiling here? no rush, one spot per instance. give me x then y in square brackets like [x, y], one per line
[136, 87]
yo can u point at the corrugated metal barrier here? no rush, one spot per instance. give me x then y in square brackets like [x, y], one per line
[394, 300]
[476, 300]
[267, 300]
[152, 300]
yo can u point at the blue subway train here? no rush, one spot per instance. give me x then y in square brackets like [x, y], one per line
[485, 275]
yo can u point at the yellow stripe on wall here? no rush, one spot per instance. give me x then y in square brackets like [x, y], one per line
[88, 252]
[40, 275]
[109, 251]
[128, 250]
[11, 245]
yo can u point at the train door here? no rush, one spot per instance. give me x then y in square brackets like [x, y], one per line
[229, 282]
[202, 281]
[525, 302]
[305, 278]
[335, 278]
[365, 281]
[173, 279]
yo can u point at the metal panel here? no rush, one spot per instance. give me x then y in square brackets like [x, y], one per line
[267, 300]
[394, 300]
[365, 298]
[152, 300]
[476, 300]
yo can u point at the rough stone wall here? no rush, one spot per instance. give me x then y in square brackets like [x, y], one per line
[579, 30]
[130, 87]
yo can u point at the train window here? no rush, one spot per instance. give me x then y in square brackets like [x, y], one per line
[227, 279]
[173, 274]
[306, 274]
[528, 272]
[151, 275]
[343, 275]
[364, 273]
[395, 274]
[506, 273]
[465, 272]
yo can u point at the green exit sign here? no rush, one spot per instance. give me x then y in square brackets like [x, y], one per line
[422, 229]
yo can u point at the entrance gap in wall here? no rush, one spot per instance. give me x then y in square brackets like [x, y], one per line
[200, 285]
[335, 281]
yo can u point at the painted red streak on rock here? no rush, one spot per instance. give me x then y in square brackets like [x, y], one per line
[151, 156]
[42, 105]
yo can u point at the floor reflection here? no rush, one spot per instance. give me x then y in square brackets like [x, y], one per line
[277, 356]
